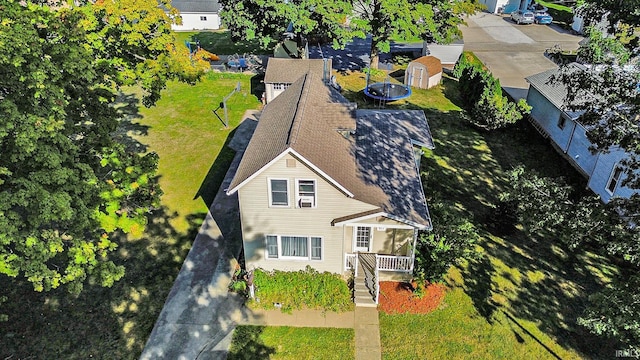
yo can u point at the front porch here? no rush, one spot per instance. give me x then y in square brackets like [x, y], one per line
[367, 268]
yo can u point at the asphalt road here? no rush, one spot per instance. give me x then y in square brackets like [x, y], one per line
[513, 52]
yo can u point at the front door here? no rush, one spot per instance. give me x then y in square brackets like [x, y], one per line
[362, 239]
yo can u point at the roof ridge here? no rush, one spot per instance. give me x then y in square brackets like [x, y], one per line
[294, 124]
[298, 115]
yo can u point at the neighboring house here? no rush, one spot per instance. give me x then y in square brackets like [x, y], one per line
[197, 14]
[281, 73]
[326, 185]
[569, 137]
[424, 72]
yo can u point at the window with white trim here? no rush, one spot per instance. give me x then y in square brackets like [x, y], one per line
[614, 179]
[280, 86]
[279, 192]
[363, 236]
[272, 246]
[306, 193]
[293, 247]
[203, 18]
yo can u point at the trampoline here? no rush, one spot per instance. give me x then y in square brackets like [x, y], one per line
[385, 91]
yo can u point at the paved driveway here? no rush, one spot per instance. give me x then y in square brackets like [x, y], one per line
[513, 52]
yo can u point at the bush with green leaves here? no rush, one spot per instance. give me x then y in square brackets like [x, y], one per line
[304, 289]
[483, 98]
[453, 239]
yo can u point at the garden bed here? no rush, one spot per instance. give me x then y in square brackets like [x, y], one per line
[400, 297]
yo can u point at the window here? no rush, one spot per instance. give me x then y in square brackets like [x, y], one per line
[306, 193]
[293, 247]
[280, 86]
[272, 246]
[614, 179]
[562, 122]
[279, 192]
[363, 235]
[203, 18]
[316, 248]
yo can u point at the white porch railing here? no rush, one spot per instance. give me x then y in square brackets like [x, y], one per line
[394, 263]
[383, 262]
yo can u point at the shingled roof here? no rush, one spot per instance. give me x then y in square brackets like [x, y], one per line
[555, 92]
[196, 6]
[366, 154]
[287, 71]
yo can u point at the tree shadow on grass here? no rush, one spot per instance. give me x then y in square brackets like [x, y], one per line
[113, 322]
[247, 345]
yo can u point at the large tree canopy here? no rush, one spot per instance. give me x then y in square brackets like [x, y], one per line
[66, 186]
[383, 19]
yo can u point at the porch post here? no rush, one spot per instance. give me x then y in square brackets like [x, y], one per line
[413, 250]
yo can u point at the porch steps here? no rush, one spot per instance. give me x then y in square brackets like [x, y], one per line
[361, 294]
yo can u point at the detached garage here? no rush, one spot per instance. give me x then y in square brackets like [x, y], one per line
[424, 72]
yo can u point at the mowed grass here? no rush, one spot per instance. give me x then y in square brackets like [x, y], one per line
[189, 139]
[521, 297]
[291, 343]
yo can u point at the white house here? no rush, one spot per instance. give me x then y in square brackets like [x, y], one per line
[197, 14]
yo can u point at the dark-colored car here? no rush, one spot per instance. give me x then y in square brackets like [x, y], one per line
[523, 17]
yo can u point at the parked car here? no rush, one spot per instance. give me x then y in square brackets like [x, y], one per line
[522, 17]
[542, 17]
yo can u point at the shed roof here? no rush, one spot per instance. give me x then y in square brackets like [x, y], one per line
[374, 164]
[287, 71]
[432, 63]
[196, 6]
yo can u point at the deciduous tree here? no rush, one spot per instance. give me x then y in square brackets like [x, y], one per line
[66, 186]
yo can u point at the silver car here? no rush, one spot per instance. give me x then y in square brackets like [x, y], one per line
[523, 17]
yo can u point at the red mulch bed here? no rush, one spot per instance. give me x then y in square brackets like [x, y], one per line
[398, 297]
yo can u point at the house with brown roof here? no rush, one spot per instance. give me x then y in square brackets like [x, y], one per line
[324, 184]
[281, 73]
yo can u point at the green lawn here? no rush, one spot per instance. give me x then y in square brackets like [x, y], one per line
[291, 343]
[521, 298]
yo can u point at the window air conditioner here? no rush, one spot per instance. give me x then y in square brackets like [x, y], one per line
[306, 201]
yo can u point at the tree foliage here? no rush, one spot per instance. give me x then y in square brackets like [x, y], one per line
[452, 240]
[383, 19]
[615, 312]
[66, 186]
[267, 20]
[482, 96]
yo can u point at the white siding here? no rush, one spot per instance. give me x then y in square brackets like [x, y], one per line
[259, 220]
[193, 21]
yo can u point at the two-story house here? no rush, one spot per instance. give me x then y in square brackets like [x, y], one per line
[324, 184]
[601, 168]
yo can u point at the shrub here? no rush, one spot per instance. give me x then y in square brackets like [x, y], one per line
[453, 239]
[302, 289]
[483, 98]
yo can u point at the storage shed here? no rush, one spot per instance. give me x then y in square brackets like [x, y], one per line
[424, 72]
